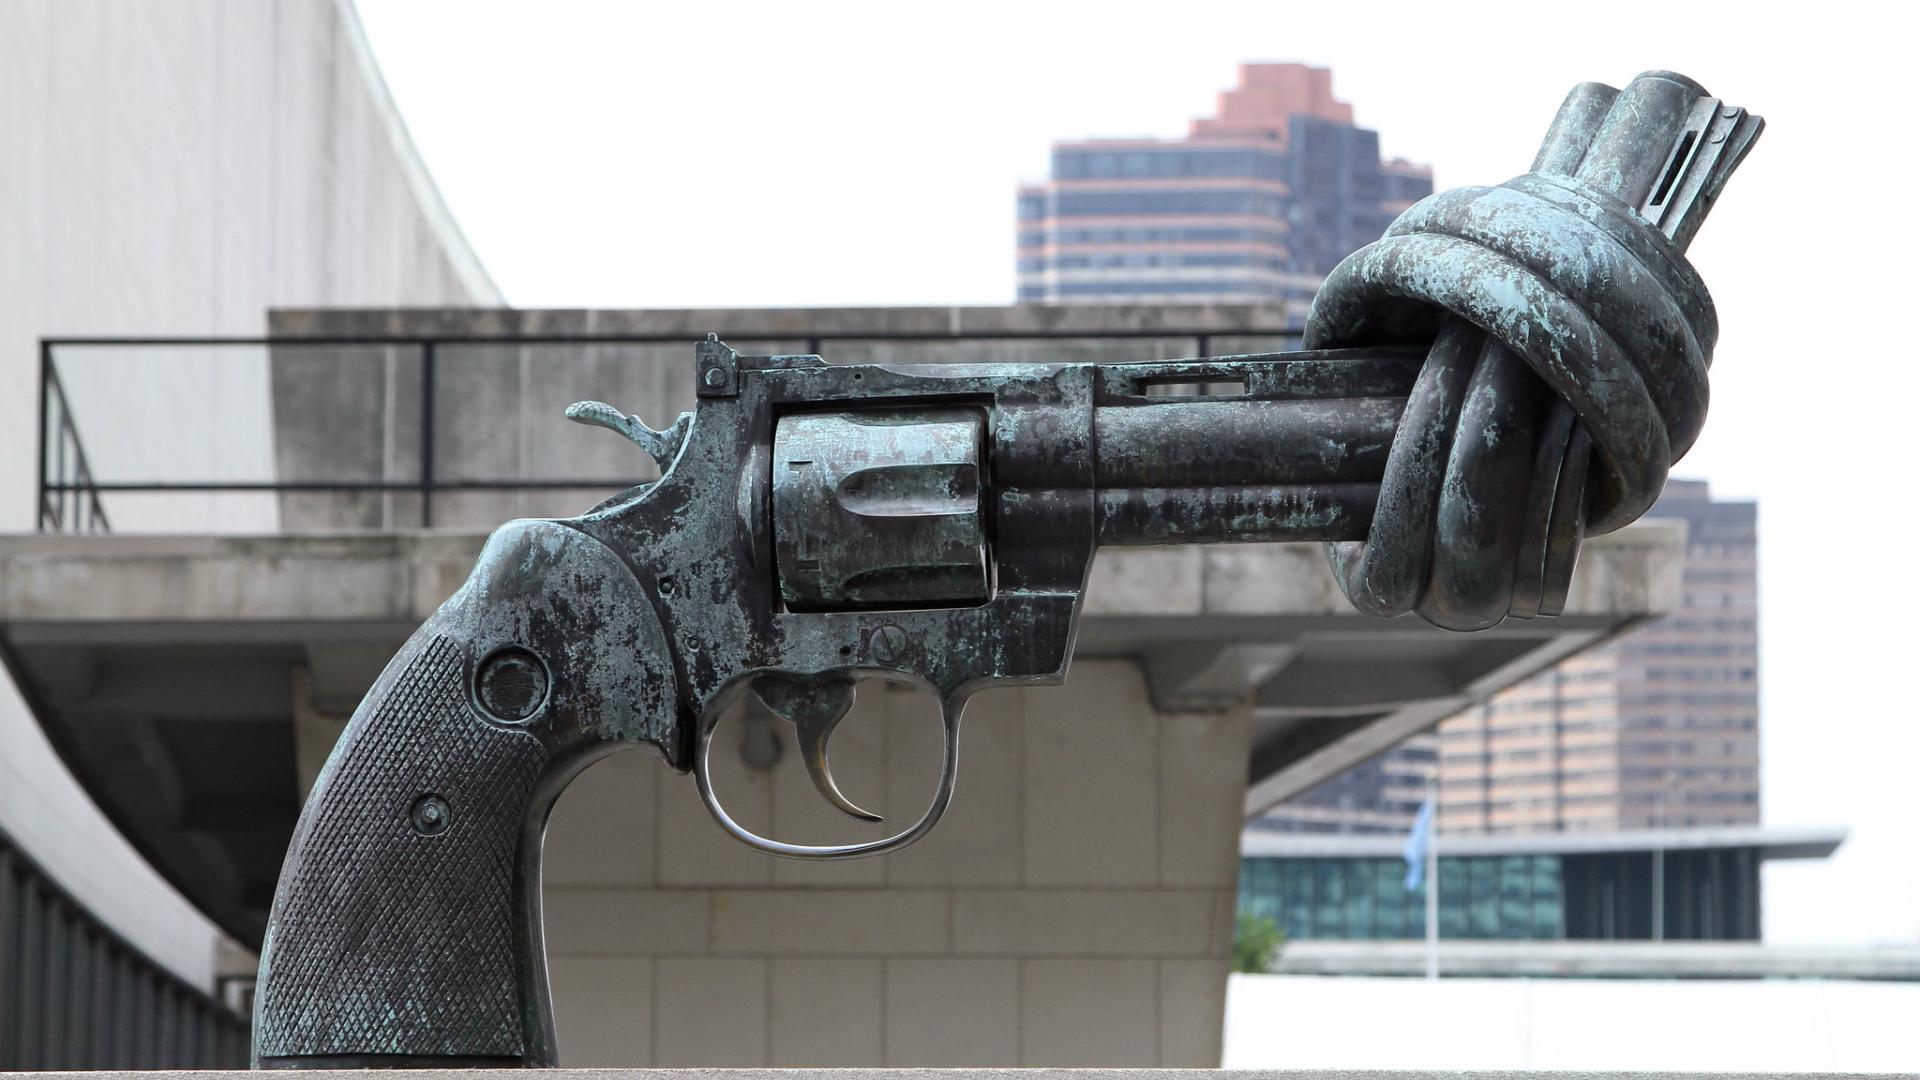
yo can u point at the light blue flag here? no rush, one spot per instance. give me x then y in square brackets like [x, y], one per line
[1417, 843]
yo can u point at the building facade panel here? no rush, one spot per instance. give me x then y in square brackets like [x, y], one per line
[180, 168]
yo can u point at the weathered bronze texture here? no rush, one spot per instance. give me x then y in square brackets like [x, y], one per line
[1507, 370]
[1566, 329]
[880, 509]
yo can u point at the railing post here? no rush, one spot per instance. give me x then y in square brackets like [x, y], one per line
[40, 483]
[63, 492]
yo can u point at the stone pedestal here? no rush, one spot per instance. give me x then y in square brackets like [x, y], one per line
[1075, 906]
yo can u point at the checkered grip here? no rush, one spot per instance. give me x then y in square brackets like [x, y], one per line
[388, 939]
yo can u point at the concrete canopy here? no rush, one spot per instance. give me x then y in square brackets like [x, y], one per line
[174, 673]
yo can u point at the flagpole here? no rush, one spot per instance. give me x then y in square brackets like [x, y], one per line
[1660, 873]
[1433, 877]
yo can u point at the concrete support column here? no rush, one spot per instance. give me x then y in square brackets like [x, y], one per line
[314, 731]
[1074, 908]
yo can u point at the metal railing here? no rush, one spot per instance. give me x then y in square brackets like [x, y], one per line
[67, 500]
[69, 494]
[75, 995]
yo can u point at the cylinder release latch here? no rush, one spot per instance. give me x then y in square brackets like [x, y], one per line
[879, 509]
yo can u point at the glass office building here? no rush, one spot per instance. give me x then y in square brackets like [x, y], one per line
[1585, 887]
[1512, 897]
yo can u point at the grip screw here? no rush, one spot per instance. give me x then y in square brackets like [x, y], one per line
[430, 815]
[512, 685]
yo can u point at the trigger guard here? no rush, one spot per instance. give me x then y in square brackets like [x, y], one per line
[943, 794]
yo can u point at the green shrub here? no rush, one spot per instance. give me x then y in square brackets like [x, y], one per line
[1257, 941]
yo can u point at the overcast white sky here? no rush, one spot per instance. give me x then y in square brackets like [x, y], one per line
[710, 154]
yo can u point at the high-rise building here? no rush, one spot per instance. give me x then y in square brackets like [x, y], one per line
[1661, 728]
[1657, 729]
[1257, 203]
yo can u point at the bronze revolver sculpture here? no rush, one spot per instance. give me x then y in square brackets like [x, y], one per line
[1507, 370]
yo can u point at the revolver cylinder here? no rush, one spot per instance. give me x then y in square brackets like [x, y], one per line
[879, 508]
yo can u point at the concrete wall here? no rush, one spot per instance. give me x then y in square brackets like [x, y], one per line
[178, 168]
[1075, 907]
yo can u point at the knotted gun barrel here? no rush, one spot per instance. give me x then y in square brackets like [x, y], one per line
[1566, 330]
[1508, 369]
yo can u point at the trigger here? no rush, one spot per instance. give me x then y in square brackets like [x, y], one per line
[814, 708]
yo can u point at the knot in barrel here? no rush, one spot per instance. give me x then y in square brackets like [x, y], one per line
[1569, 344]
